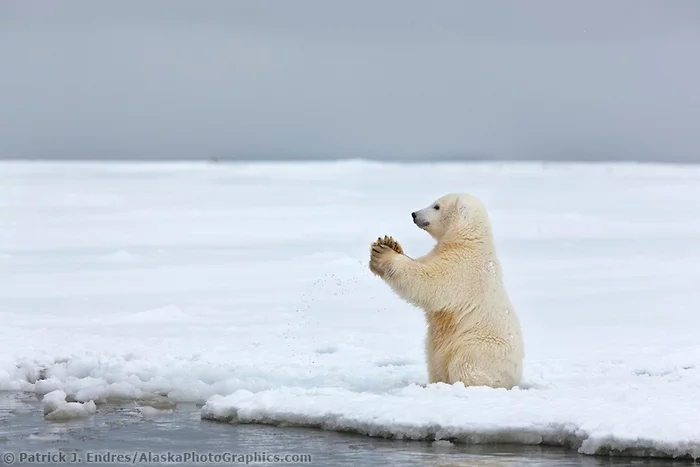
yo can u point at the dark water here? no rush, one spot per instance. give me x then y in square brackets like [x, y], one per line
[124, 430]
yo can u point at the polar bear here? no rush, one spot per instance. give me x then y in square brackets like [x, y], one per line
[474, 335]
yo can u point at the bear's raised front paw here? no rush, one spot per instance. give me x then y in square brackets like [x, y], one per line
[390, 242]
[381, 255]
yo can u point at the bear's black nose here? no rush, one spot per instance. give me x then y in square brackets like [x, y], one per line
[413, 214]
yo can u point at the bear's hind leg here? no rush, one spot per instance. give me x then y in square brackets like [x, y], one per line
[437, 373]
[432, 372]
[473, 375]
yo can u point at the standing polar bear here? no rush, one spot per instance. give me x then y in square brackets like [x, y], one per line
[473, 333]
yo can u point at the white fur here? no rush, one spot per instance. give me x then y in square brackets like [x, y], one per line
[473, 333]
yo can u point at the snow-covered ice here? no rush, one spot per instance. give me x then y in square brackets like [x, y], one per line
[152, 412]
[246, 286]
[57, 408]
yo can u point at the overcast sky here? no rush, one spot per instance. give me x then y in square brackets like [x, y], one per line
[163, 79]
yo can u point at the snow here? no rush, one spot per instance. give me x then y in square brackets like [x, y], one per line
[245, 287]
[119, 256]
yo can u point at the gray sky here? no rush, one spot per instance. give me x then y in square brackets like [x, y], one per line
[173, 79]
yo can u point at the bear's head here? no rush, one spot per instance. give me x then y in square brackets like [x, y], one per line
[457, 215]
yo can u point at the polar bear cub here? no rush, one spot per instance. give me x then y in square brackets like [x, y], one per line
[473, 335]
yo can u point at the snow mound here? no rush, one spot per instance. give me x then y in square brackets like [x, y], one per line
[7, 382]
[57, 408]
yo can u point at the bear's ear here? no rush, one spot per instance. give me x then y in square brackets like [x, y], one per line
[462, 208]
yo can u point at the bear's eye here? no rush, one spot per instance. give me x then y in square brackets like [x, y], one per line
[436, 207]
